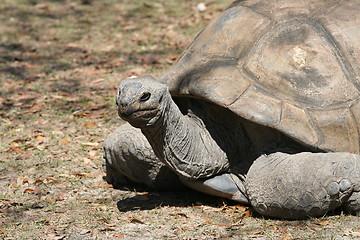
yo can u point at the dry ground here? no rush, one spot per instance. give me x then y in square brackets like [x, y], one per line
[60, 64]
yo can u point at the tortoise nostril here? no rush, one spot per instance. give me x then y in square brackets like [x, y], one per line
[145, 96]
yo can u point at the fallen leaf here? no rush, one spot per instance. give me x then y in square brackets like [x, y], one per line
[23, 180]
[87, 161]
[224, 225]
[39, 138]
[118, 235]
[171, 59]
[96, 107]
[103, 185]
[178, 214]
[142, 193]
[14, 185]
[187, 227]
[349, 232]
[3, 231]
[92, 154]
[78, 174]
[50, 200]
[255, 233]
[38, 181]
[90, 124]
[29, 190]
[135, 220]
[102, 220]
[247, 213]
[240, 207]
[107, 229]
[90, 144]
[16, 149]
[35, 190]
[323, 223]
[84, 231]
[287, 236]
[65, 141]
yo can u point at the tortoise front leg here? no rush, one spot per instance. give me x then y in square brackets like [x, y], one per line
[128, 157]
[305, 184]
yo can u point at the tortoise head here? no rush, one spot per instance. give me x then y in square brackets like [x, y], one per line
[141, 101]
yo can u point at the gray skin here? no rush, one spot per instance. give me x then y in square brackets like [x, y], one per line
[261, 98]
[214, 151]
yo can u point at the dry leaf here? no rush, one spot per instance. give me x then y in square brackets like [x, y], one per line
[187, 227]
[92, 154]
[16, 149]
[50, 200]
[247, 213]
[84, 231]
[142, 193]
[89, 124]
[255, 233]
[14, 185]
[323, 223]
[3, 231]
[60, 196]
[38, 181]
[102, 220]
[90, 144]
[87, 161]
[29, 190]
[118, 235]
[39, 138]
[35, 190]
[178, 214]
[65, 140]
[135, 220]
[23, 180]
[224, 225]
[242, 208]
[78, 174]
[287, 236]
[108, 229]
[349, 232]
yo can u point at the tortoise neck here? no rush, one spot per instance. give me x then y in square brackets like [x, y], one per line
[183, 143]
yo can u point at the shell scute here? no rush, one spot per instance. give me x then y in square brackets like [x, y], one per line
[258, 106]
[338, 130]
[299, 62]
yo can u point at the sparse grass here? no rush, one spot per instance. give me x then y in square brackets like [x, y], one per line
[60, 64]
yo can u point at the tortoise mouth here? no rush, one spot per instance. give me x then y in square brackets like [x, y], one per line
[139, 117]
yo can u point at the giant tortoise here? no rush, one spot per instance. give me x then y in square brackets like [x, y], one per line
[262, 108]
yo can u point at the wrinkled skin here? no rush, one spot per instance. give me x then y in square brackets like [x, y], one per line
[262, 97]
[206, 156]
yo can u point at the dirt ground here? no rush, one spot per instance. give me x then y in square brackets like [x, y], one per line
[60, 64]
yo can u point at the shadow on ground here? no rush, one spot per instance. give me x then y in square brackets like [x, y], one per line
[183, 198]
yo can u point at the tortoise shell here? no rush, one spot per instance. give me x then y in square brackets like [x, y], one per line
[290, 65]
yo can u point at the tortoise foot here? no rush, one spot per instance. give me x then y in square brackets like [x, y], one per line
[305, 184]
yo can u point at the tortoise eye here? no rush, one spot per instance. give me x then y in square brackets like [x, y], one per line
[145, 96]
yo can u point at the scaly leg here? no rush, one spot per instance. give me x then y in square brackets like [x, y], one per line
[128, 157]
[305, 184]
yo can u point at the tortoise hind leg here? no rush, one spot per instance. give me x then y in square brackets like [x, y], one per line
[129, 158]
[305, 184]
